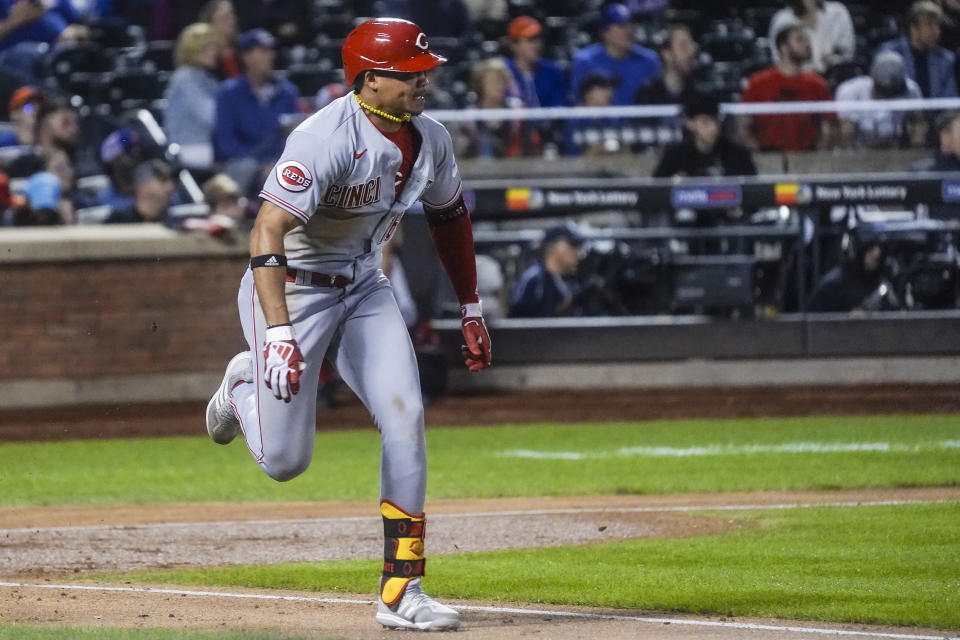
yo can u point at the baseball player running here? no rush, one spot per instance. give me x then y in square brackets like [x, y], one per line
[314, 289]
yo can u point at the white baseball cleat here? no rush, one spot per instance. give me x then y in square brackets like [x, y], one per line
[417, 610]
[222, 423]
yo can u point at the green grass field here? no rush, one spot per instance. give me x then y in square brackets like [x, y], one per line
[532, 460]
[892, 564]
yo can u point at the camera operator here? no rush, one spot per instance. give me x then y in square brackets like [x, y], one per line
[858, 282]
[545, 289]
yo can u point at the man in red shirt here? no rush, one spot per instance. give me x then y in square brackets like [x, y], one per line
[788, 82]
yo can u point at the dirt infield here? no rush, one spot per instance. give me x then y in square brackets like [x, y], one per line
[43, 550]
[186, 418]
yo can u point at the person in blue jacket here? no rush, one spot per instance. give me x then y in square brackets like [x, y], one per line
[617, 56]
[23, 21]
[540, 82]
[928, 64]
[249, 108]
[548, 288]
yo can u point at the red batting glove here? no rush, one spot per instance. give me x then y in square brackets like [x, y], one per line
[283, 362]
[477, 353]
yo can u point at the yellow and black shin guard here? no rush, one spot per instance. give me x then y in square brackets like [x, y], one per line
[402, 551]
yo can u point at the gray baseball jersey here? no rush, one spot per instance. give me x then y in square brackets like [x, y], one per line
[337, 176]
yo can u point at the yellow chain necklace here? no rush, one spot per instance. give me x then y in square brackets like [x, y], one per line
[383, 114]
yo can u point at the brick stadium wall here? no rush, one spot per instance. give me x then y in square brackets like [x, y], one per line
[131, 316]
[119, 311]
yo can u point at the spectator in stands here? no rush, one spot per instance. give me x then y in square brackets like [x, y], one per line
[540, 82]
[878, 129]
[828, 25]
[594, 136]
[28, 28]
[547, 288]
[947, 158]
[249, 131]
[58, 127]
[617, 56]
[23, 108]
[24, 21]
[222, 18]
[786, 81]
[437, 18]
[857, 283]
[42, 201]
[928, 64]
[153, 189]
[191, 96]
[121, 153]
[60, 166]
[227, 204]
[678, 56]
[493, 87]
[705, 150]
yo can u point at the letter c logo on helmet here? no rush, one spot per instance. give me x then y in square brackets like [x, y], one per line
[387, 44]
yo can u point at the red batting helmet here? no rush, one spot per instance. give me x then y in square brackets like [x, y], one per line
[387, 44]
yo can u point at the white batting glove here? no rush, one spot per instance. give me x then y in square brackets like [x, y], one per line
[283, 362]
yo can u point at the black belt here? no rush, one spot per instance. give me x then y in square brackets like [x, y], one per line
[317, 279]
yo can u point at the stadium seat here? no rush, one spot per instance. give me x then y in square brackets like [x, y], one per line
[132, 89]
[730, 45]
[571, 8]
[112, 33]
[83, 58]
[159, 56]
[885, 29]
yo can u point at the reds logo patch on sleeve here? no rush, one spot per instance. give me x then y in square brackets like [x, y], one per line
[293, 176]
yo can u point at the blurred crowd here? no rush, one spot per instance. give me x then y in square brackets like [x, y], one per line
[122, 111]
[116, 106]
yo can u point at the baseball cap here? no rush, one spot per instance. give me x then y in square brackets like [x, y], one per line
[524, 27]
[927, 8]
[889, 74]
[563, 232]
[615, 13]
[255, 38]
[118, 143]
[43, 191]
[23, 96]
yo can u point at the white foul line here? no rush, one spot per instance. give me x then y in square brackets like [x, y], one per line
[510, 610]
[731, 450]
